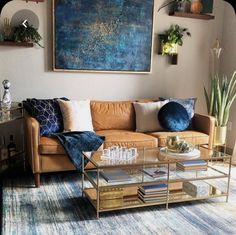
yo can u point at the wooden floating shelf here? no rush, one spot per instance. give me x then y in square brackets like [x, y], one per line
[193, 16]
[34, 1]
[16, 44]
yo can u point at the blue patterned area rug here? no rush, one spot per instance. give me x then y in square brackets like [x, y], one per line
[58, 208]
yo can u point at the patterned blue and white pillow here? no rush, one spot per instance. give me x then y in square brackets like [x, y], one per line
[48, 114]
[189, 104]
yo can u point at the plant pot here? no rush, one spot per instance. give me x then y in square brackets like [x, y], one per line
[169, 48]
[220, 135]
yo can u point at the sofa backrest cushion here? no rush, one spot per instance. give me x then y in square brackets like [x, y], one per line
[113, 115]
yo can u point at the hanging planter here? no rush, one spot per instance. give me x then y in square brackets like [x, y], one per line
[170, 41]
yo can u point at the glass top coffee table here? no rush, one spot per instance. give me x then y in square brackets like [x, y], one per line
[153, 178]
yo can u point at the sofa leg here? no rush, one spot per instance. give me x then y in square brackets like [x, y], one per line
[37, 180]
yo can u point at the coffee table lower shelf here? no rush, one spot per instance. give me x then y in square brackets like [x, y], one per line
[134, 202]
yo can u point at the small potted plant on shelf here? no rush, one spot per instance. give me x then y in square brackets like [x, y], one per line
[26, 33]
[173, 38]
[219, 101]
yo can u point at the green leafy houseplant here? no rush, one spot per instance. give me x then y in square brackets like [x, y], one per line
[26, 33]
[173, 37]
[220, 98]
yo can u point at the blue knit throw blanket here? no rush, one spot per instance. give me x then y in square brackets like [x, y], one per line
[76, 142]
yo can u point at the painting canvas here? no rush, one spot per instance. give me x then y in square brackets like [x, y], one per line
[103, 35]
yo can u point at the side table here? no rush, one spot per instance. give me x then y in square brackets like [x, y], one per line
[10, 115]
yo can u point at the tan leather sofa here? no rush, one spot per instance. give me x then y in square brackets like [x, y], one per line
[116, 121]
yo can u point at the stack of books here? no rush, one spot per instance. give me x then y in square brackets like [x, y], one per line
[153, 193]
[195, 165]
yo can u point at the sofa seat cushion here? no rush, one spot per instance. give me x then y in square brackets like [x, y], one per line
[127, 138]
[191, 136]
[50, 146]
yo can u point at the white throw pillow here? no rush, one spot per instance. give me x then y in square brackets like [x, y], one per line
[76, 115]
[147, 116]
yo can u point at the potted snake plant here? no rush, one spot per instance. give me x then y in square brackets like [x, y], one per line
[219, 101]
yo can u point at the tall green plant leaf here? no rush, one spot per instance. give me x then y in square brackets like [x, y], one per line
[221, 97]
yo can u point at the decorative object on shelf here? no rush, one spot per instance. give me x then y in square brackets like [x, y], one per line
[7, 29]
[184, 6]
[22, 15]
[181, 8]
[107, 37]
[178, 5]
[219, 101]
[207, 6]
[196, 6]
[6, 99]
[26, 33]
[173, 38]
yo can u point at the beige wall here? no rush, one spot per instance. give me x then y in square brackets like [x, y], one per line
[29, 70]
[228, 62]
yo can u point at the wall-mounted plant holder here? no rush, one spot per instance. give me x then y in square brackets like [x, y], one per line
[173, 59]
[169, 42]
[167, 49]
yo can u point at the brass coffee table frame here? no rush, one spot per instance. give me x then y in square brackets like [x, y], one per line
[99, 184]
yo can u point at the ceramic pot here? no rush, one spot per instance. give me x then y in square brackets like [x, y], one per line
[220, 135]
[196, 6]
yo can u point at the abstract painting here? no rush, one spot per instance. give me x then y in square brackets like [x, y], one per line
[103, 35]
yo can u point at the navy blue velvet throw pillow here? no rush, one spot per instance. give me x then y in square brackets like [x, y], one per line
[174, 117]
[48, 114]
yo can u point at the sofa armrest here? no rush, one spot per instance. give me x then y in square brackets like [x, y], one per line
[32, 135]
[205, 124]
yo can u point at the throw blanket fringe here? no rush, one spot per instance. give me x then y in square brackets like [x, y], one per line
[76, 142]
